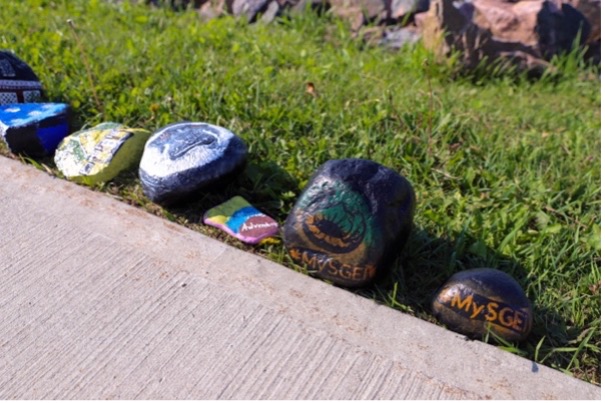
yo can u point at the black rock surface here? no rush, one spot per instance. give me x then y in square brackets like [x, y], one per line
[183, 158]
[351, 221]
[18, 82]
[472, 300]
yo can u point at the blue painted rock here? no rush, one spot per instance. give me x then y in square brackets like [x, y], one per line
[241, 220]
[351, 221]
[18, 82]
[34, 129]
[183, 158]
[473, 300]
[100, 153]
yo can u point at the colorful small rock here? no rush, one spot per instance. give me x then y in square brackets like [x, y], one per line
[473, 300]
[351, 221]
[100, 153]
[34, 129]
[18, 82]
[240, 219]
[183, 158]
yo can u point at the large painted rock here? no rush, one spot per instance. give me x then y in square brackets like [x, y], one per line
[351, 221]
[183, 158]
[100, 153]
[473, 300]
[241, 220]
[34, 129]
[18, 82]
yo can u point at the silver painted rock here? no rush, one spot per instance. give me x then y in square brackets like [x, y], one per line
[34, 129]
[350, 222]
[473, 300]
[100, 153]
[183, 158]
[18, 82]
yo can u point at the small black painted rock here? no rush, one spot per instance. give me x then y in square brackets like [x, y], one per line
[351, 221]
[181, 158]
[472, 300]
[34, 129]
[18, 82]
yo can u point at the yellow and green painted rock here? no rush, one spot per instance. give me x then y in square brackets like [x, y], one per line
[100, 153]
[473, 301]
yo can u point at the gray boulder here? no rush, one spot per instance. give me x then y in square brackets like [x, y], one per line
[525, 34]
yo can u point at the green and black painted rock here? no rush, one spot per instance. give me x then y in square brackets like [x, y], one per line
[473, 300]
[351, 221]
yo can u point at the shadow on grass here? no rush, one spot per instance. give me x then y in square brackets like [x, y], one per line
[256, 182]
[428, 261]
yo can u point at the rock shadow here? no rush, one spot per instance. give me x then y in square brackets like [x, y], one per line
[261, 183]
[428, 261]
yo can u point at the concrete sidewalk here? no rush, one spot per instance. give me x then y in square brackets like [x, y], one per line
[100, 300]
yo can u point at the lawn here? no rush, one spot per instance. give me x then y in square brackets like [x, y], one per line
[506, 170]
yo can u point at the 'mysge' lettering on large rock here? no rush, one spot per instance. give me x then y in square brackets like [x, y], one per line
[351, 220]
[474, 300]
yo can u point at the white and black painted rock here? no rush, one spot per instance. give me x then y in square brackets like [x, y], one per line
[351, 221]
[183, 158]
[34, 129]
[18, 82]
[473, 300]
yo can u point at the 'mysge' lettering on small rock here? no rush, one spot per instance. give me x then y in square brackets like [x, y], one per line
[330, 268]
[478, 307]
[473, 302]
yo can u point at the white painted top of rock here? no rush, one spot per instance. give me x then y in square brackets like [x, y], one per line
[181, 145]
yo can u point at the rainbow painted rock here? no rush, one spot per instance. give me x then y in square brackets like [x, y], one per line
[183, 158]
[18, 82]
[472, 301]
[241, 220]
[34, 129]
[350, 222]
[100, 153]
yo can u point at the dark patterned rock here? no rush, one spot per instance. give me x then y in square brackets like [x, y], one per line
[34, 129]
[18, 82]
[350, 222]
[472, 300]
[182, 158]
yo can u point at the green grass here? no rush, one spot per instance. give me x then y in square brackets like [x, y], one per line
[506, 170]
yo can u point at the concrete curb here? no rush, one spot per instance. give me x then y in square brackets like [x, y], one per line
[104, 301]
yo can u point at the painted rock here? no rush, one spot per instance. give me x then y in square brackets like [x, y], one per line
[182, 158]
[34, 129]
[240, 219]
[351, 221]
[18, 82]
[100, 153]
[473, 300]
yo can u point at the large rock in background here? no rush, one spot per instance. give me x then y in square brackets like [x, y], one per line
[525, 33]
[350, 222]
[18, 82]
[182, 158]
[100, 153]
